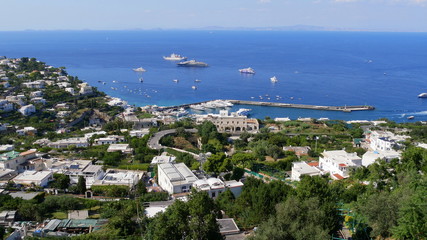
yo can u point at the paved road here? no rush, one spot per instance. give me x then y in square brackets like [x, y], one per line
[154, 140]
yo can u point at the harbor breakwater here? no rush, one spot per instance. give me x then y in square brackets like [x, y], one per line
[286, 105]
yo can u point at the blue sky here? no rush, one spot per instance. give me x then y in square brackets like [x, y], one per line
[393, 15]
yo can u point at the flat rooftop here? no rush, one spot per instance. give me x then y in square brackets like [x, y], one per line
[178, 172]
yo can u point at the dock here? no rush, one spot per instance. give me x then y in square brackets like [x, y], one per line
[305, 106]
[285, 105]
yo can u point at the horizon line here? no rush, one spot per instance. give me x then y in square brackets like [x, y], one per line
[294, 28]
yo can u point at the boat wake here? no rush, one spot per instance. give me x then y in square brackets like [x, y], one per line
[421, 113]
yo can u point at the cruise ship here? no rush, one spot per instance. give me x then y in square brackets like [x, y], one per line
[140, 69]
[192, 63]
[247, 70]
[174, 57]
[423, 95]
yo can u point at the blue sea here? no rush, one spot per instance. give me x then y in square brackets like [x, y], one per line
[385, 70]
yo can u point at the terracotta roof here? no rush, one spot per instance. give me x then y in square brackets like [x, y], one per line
[31, 151]
[343, 165]
[337, 176]
[313, 164]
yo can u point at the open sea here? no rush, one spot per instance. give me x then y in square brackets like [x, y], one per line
[385, 70]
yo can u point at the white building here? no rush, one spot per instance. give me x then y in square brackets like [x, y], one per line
[338, 162]
[111, 139]
[371, 156]
[36, 94]
[18, 99]
[214, 186]
[175, 178]
[27, 110]
[303, 168]
[31, 131]
[91, 134]
[37, 178]
[164, 158]
[139, 133]
[384, 140]
[6, 147]
[38, 84]
[37, 100]
[120, 177]
[84, 168]
[70, 90]
[85, 89]
[63, 84]
[64, 143]
[124, 148]
[6, 106]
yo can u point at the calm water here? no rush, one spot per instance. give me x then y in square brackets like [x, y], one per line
[386, 70]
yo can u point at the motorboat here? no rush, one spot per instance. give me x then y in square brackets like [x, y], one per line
[410, 117]
[140, 69]
[174, 57]
[243, 111]
[422, 95]
[274, 79]
[197, 107]
[247, 70]
[194, 87]
[192, 63]
[175, 80]
[197, 80]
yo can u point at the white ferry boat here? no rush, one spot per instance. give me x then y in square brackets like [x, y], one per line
[140, 69]
[174, 57]
[247, 70]
[274, 79]
[423, 95]
[243, 111]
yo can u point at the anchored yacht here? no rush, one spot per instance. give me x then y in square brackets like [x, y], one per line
[192, 63]
[247, 70]
[140, 69]
[274, 79]
[174, 57]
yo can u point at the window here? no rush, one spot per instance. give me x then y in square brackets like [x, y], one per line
[213, 194]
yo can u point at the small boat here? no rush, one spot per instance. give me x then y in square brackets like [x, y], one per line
[247, 70]
[104, 83]
[140, 69]
[99, 81]
[114, 81]
[174, 57]
[194, 87]
[274, 79]
[243, 111]
[422, 95]
[141, 80]
[197, 80]
[175, 80]
[410, 117]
